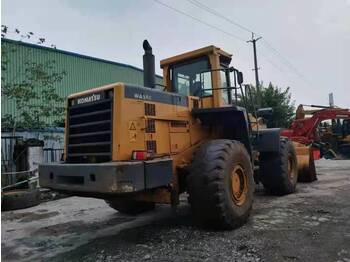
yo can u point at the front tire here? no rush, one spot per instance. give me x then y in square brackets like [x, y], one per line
[221, 185]
[279, 171]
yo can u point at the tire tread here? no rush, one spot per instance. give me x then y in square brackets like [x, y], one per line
[206, 185]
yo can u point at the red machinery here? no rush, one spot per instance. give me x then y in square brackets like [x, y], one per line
[303, 132]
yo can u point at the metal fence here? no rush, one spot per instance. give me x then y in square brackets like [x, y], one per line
[7, 149]
[8, 163]
[52, 155]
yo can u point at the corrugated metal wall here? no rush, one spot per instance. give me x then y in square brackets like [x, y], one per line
[82, 72]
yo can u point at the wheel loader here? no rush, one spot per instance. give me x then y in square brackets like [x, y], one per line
[137, 146]
[312, 140]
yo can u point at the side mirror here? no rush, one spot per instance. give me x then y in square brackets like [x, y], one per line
[265, 112]
[239, 77]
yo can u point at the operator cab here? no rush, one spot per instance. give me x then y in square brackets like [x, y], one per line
[203, 74]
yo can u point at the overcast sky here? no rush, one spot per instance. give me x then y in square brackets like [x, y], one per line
[312, 35]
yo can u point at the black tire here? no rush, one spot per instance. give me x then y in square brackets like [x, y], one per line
[210, 185]
[344, 151]
[275, 174]
[19, 199]
[130, 206]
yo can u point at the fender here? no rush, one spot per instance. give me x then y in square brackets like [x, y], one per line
[268, 140]
[233, 120]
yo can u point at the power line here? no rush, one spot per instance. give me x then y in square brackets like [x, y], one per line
[283, 59]
[199, 20]
[216, 28]
[267, 59]
[212, 11]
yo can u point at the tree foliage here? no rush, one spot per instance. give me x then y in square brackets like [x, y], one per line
[278, 99]
[32, 89]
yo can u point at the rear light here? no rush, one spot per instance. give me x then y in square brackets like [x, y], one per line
[316, 153]
[141, 155]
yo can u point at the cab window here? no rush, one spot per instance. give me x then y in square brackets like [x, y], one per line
[225, 85]
[191, 79]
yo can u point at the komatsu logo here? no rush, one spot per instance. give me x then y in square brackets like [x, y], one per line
[142, 96]
[89, 99]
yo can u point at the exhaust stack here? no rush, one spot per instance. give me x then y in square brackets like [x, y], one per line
[149, 77]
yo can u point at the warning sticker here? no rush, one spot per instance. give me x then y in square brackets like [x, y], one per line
[132, 136]
[132, 125]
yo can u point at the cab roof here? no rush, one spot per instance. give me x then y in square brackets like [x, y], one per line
[194, 54]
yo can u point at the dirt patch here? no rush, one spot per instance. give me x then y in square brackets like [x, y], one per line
[7, 252]
[310, 225]
[78, 226]
[288, 228]
[50, 195]
[26, 217]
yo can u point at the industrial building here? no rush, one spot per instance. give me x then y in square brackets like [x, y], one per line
[82, 72]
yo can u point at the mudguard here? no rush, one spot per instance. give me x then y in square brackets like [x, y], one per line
[268, 140]
[233, 120]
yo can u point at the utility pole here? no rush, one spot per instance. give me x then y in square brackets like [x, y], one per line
[256, 69]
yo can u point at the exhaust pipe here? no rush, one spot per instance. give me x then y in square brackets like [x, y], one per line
[149, 76]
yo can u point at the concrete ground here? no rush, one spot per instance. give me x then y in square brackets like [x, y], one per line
[311, 225]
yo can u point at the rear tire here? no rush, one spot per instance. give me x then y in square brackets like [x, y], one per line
[130, 206]
[19, 199]
[279, 171]
[221, 185]
[344, 151]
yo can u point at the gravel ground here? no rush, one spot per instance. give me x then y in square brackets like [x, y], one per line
[311, 225]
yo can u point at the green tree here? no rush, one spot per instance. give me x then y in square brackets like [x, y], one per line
[32, 89]
[278, 99]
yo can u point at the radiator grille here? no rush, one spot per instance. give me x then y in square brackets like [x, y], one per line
[150, 109]
[178, 123]
[90, 130]
[151, 145]
[150, 126]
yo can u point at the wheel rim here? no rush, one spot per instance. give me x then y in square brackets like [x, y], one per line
[290, 168]
[239, 185]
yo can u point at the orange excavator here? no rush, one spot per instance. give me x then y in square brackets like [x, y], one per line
[306, 133]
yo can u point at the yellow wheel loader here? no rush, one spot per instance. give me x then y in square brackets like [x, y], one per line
[136, 146]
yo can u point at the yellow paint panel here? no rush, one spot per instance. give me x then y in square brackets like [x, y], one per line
[162, 137]
[207, 102]
[129, 126]
[193, 54]
[179, 142]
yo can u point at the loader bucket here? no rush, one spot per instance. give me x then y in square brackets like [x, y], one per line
[306, 163]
